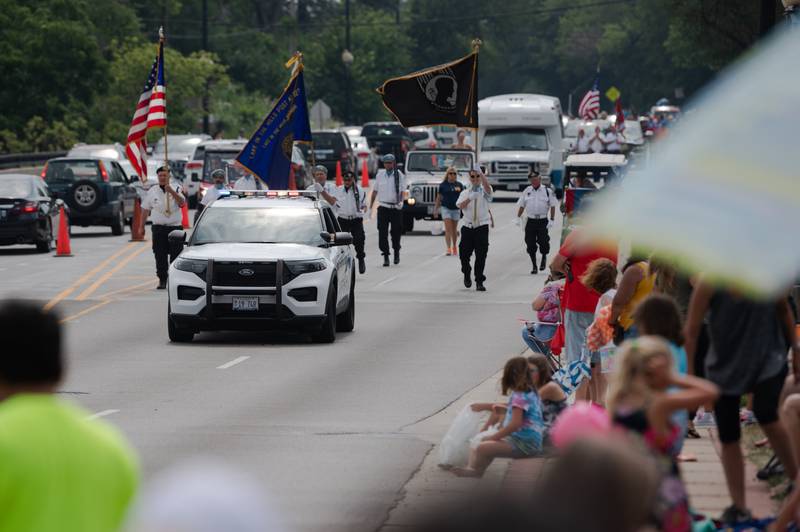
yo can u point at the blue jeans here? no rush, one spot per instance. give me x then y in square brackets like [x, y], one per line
[539, 338]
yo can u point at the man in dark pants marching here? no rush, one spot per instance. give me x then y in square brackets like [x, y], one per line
[474, 203]
[536, 203]
[164, 203]
[350, 203]
[390, 191]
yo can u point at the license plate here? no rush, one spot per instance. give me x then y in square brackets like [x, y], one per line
[245, 304]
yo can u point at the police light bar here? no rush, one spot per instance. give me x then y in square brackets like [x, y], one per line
[312, 194]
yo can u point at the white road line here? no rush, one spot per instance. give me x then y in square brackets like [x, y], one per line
[104, 413]
[387, 281]
[232, 363]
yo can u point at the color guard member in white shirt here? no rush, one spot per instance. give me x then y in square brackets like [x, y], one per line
[163, 204]
[536, 202]
[249, 182]
[322, 185]
[474, 203]
[350, 203]
[390, 191]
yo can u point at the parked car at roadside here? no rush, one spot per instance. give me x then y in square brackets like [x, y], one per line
[364, 153]
[179, 150]
[388, 137]
[96, 189]
[115, 152]
[27, 212]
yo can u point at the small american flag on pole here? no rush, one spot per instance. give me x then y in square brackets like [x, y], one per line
[590, 104]
[151, 112]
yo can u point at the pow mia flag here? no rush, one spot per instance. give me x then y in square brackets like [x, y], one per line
[444, 94]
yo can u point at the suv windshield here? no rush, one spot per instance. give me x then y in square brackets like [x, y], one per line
[438, 162]
[15, 188]
[71, 171]
[515, 139]
[329, 141]
[178, 147]
[214, 160]
[384, 130]
[267, 225]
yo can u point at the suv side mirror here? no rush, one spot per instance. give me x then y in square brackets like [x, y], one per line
[334, 239]
[177, 238]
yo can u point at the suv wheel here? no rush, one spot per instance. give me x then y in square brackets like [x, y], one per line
[346, 321]
[118, 223]
[408, 223]
[177, 334]
[327, 333]
[85, 196]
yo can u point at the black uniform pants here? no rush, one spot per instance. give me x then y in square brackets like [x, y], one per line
[536, 234]
[356, 228]
[389, 217]
[476, 240]
[164, 253]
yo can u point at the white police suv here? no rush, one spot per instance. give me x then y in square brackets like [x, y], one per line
[263, 260]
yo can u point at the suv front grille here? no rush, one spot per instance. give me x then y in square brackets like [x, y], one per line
[236, 274]
[512, 168]
[429, 193]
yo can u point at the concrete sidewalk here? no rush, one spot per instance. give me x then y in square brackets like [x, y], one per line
[704, 479]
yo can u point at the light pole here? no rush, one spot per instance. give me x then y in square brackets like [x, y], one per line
[347, 60]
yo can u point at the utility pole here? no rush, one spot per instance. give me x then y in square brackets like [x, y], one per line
[206, 125]
[347, 59]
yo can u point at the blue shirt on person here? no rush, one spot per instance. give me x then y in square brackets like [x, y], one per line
[450, 192]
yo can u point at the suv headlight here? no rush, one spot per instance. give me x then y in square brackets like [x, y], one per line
[416, 193]
[300, 267]
[197, 266]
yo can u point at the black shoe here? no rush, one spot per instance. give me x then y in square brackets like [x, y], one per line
[467, 280]
[397, 257]
[733, 516]
[386, 260]
[534, 270]
[543, 265]
[161, 285]
[480, 288]
[362, 266]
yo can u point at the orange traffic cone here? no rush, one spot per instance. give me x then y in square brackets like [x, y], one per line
[364, 175]
[339, 180]
[292, 183]
[137, 231]
[185, 215]
[62, 242]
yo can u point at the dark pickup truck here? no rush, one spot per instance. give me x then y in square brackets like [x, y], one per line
[388, 137]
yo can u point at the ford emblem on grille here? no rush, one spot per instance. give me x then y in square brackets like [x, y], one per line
[247, 272]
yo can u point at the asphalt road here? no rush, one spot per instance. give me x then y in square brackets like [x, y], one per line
[319, 425]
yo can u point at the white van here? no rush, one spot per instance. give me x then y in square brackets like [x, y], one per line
[518, 131]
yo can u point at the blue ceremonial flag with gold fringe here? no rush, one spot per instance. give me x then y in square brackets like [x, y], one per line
[268, 153]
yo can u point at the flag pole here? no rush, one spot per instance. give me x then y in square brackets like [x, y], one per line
[296, 62]
[161, 40]
[476, 47]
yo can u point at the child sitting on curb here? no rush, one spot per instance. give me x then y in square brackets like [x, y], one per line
[522, 431]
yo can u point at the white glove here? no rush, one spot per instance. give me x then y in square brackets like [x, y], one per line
[549, 224]
[517, 221]
[318, 187]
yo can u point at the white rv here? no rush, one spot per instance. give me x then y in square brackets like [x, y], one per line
[518, 131]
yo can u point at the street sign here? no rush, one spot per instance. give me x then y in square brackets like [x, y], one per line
[320, 114]
[613, 94]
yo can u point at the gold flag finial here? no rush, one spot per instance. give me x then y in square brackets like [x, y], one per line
[476, 44]
[296, 59]
[161, 33]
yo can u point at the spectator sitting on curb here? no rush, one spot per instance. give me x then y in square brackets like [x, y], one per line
[521, 434]
[537, 335]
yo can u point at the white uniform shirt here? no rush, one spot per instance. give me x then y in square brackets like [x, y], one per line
[249, 182]
[346, 202]
[613, 143]
[388, 195]
[537, 202]
[582, 146]
[164, 210]
[211, 195]
[476, 213]
[328, 187]
[597, 145]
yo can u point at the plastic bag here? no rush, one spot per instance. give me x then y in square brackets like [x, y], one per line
[437, 228]
[454, 449]
[478, 438]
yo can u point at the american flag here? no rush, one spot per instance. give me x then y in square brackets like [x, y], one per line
[590, 105]
[151, 112]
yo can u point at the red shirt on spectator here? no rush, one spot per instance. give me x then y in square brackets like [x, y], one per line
[577, 297]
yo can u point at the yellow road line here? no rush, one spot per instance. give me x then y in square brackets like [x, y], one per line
[128, 289]
[74, 286]
[86, 311]
[106, 276]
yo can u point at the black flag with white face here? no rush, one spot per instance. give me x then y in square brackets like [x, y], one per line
[445, 94]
